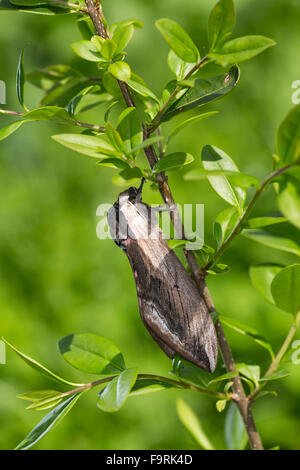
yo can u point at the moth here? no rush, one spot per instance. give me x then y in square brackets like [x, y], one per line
[170, 305]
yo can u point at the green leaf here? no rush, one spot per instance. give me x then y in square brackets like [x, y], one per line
[188, 372]
[120, 70]
[221, 405]
[234, 429]
[45, 78]
[20, 80]
[189, 122]
[258, 222]
[92, 354]
[244, 181]
[288, 138]
[116, 163]
[220, 23]
[285, 289]
[192, 424]
[141, 89]
[289, 199]
[173, 161]
[262, 276]
[62, 94]
[114, 137]
[86, 50]
[247, 331]
[122, 37]
[204, 91]
[39, 367]
[37, 395]
[48, 422]
[273, 240]
[224, 224]
[276, 376]
[251, 372]
[29, 3]
[215, 159]
[178, 66]
[114, 395]
[10, 129]
[108, 48]
[130, 129]
[178, 40]
[145, 386]
[48, 113]
[241, 49]
[127, 177]
[137, 24]
[93, 146]
[36, 8]
[228, 375]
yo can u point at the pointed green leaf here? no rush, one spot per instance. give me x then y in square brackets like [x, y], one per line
[114, 137]
[114, 395]
[10, 129]
[273, 240]
[265, 221]
[234, 429]
[92, 146]
[224, 224]
[192, 424]
[215, 159]
[86, 50]
[173, 161]
[92, 354]
[248, 331]
[37, 395]
[241, 49]
[178, 66]
[39, 367]
[220, 23]
[48, 422]
[127, 177]
[20, 80]
[276, 376]
[228, 375]
[204, 91]
[178, 40]
[130, 129]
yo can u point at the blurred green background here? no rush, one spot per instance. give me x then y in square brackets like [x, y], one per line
[57, 278]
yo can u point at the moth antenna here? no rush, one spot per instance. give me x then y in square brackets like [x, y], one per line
[140, 190]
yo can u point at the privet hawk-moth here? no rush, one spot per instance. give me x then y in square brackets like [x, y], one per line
[170, 305]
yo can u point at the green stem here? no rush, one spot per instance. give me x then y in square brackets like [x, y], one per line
[176, 383]
[244, 216]
[156, 121]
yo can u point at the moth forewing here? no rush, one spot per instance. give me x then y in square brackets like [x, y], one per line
[170, 305]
